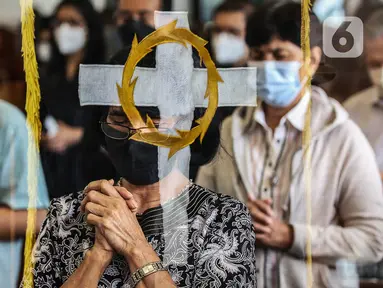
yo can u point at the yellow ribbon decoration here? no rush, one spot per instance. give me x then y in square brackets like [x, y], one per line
[307, 135]
[34, 128]
[168, 34]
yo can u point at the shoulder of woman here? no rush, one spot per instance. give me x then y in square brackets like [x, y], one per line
[228, 209]
[221, 202]
[226, 202]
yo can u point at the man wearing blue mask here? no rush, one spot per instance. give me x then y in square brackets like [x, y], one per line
[262, 164]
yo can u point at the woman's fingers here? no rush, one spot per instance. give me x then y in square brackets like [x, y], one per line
[96, 198]
[96, 185]
[93, 186]
[129, 199]
[94, 220]
[108, 189]
[92, 208]
[124, 193]
[105, 188]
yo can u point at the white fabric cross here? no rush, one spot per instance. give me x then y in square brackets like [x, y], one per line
[175, 86]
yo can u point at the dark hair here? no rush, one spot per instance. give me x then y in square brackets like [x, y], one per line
[282, 20]
[201, 153]
[95, 47]
[41, 23]
[234, 6]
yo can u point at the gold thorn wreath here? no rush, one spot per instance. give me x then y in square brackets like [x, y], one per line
[168, 34]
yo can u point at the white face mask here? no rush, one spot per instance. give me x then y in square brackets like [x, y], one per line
[376, 76]
[99, 5]
[44, 51]
[228, 49]
[70, 39]
[46, 8]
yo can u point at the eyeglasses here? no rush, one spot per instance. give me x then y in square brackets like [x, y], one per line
[123, 132]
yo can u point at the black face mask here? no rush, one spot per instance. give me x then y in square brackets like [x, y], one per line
[136, 162]
[131, 28]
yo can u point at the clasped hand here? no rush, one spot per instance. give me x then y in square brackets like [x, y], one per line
[270, 231]
[112, 210]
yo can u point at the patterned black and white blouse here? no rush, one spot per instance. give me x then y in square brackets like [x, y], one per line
[205, 240]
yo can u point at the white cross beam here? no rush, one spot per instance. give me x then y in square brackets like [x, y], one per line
[175, 86]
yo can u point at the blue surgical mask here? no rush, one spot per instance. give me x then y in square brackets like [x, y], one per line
[324, 9]
[277, 83]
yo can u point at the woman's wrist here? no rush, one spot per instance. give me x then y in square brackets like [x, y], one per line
[102, 257]
[139, 255]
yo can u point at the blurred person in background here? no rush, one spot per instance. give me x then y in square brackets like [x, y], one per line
[14, 196]
[263, 160]
[12, 83]
[351, 73]
[43, 41]
[71, 151]
[135, 17]
[366, 107]
[228, 32]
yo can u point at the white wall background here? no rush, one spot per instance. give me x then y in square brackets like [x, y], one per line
[181, 5]
[9, 13]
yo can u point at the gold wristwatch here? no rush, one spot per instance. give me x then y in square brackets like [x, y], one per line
[144, 271]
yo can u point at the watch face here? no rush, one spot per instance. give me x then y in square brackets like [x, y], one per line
[148, 269]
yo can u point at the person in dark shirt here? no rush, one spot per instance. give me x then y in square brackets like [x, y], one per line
[71, 151]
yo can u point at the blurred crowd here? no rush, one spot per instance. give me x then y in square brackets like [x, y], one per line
[347, 161]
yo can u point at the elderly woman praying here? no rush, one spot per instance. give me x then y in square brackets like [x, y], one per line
[154, 227]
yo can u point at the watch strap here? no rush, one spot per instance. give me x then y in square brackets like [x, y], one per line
[144, 271]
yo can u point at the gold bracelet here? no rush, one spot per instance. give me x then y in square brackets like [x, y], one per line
[144, 271]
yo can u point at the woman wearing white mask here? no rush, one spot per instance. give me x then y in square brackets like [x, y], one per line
[66, 141]
[228, 34]
[264, 165]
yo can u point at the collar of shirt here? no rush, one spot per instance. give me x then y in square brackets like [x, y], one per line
[295, 116]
